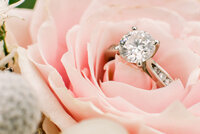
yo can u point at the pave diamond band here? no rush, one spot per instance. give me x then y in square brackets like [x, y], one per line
[158, 74]
[138, 47]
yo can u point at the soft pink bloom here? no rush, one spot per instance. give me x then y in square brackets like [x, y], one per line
[66, 65]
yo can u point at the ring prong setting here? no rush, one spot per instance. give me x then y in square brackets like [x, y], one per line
[157, 45]
[156, 42]
[134, 28]
[137, 46]
[139, 63]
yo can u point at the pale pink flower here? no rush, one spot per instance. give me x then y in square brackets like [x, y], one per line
[66, 65]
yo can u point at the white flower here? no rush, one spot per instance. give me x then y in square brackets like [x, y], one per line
[19, 108]
[5, 7]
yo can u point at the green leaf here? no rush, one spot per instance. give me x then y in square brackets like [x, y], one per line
[2, 32]
[27, 3]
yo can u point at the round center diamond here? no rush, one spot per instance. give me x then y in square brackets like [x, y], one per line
[137, 46]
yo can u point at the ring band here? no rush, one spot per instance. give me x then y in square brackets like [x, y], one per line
[138, 47]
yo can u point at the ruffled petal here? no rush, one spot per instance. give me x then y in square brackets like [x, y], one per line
[19, 27]
[180, 63]
[147, 100]
[175, 120]
[48, 102]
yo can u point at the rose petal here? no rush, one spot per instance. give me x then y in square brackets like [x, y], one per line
[193, 43]
[188, 9]
[57, 88]
[149, 101]
[194, 109]
[52, 109]
[132, 75]
[175, 120]
[78, 82]
[47, 42]
[193, 96]
[87, 108]
[193, 78]
[71, 37]
[20, 27]
[191, 29]
[82, 110]
[148, 130]
[91, 66]
[132, 125]
[124, 106]
[66, 13]
[60, 8]
[178, 63]
[109, 71]
[73, 106]
[191, 12]
[114, 12]
[55, 11]
[49, 49]
[39, 16]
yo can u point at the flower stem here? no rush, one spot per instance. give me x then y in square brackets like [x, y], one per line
[3, 38]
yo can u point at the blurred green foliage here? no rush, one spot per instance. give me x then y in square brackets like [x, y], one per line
[27, 3]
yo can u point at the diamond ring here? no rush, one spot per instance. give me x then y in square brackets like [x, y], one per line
[138, 47]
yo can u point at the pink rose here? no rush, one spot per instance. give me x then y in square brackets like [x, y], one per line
[67, 67]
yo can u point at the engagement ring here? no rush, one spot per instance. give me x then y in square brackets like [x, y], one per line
[138, 47]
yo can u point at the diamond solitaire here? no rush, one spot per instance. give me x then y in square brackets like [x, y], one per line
[137, 46]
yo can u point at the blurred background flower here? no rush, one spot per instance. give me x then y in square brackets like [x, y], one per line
[19, 109]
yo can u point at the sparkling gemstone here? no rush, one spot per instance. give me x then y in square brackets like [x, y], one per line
[156, 70]
[167, 81]
[137, 46]
[162, 76]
